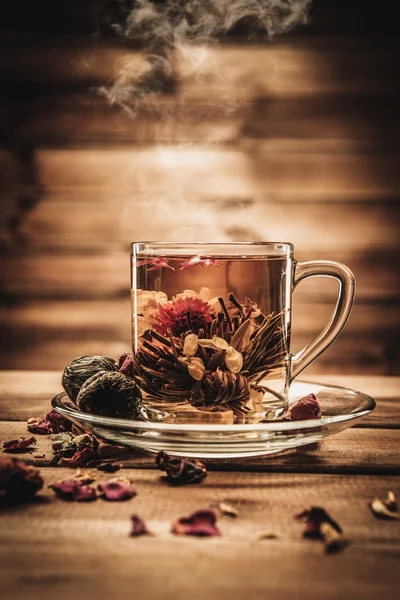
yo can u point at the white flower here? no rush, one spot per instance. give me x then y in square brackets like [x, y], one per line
[146, 309]
[190, 344]
[195, 366]
[233, 358]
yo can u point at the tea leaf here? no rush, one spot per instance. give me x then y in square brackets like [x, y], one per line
[266, 535]
[228, 509]
[380, 510]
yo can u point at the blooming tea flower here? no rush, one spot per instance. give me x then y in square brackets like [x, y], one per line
[182, 315]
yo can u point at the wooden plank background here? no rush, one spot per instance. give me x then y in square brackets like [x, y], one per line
[295, 140]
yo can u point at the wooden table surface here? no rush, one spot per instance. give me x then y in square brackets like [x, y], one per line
[56, 549]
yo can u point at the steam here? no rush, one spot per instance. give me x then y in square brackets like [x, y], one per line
[163, 29]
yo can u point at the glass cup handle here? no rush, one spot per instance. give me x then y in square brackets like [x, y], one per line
[347, 287]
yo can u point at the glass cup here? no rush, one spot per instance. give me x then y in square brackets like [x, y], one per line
[211, 328]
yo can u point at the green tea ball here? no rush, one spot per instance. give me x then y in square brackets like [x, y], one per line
[110, 394]
[81, 369]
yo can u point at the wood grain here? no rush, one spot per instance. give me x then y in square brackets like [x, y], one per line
[79, 549]
[357, 451]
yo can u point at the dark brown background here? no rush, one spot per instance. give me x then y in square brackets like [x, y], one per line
[295, 140]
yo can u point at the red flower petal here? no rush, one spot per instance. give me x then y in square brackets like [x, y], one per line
[116, 489]
[198, 260]
[81, 458]
[201, 523]
[181, 315]
[126, 365]
[52, 422]
[304, 409]
[18, 482]
[73, 489]
[139, 527]
[20, 445]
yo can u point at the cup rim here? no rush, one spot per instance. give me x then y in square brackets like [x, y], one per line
[158, 248]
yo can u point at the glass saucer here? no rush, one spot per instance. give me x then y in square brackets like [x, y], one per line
[341, 408]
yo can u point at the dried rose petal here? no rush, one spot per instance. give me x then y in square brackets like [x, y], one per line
[198, 260]
[126, 365]
[74, 489]
[320, 525]
[18, 482]
[81, 458]
[20, 445]
[116, 489]
[105, 450]
[139, 527]
[158, 263]
[181, 470]
[109, 467]
[201, 523]
[304, 409]
[52, 422]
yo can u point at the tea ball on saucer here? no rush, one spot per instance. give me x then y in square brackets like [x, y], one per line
[110, 394]
[81, 368]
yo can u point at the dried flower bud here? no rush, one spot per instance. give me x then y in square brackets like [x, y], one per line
[200, 523]
[304, 409]
[190, 344]
[181, 470]
[20, 445]
[139, 527]
[110, 394]
[81, 368]
[233, 360]
[18, 482]
[74, 489]
[117, 489]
